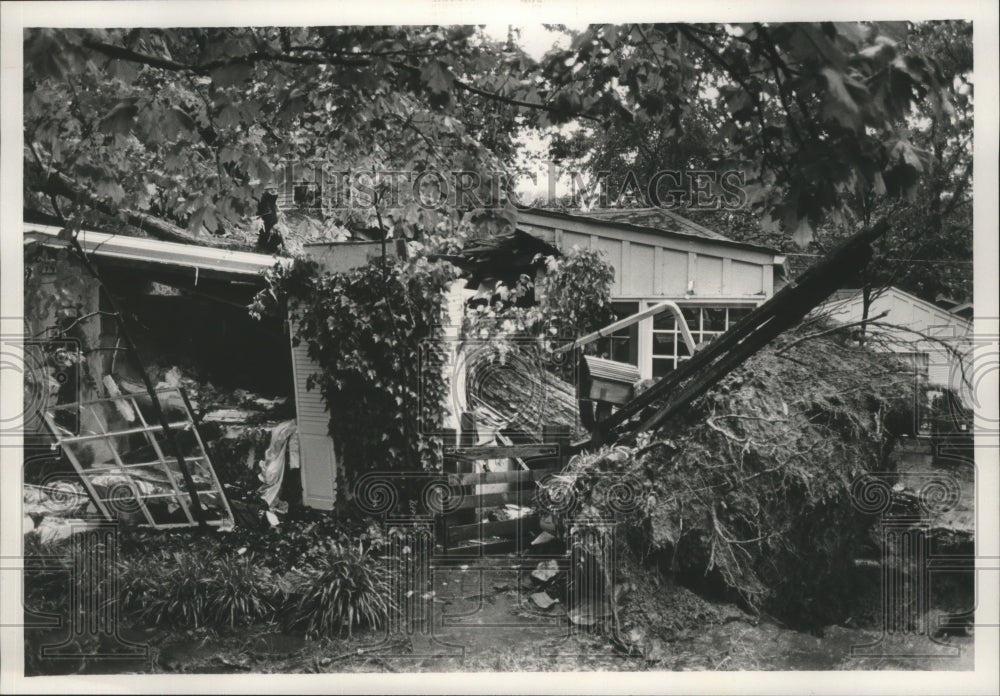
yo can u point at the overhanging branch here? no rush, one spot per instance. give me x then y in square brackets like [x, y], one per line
[56, 184]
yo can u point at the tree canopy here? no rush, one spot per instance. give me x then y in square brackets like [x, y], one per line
[929, 249]
[179, 131]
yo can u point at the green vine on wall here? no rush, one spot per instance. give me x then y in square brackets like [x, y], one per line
[377, 334]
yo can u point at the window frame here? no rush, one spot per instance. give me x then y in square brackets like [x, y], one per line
[648, 333]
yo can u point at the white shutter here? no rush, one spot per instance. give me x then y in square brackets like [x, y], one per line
[316, 454]
[316, 448]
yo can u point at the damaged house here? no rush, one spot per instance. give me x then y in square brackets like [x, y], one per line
[188, 307]
[215, 369]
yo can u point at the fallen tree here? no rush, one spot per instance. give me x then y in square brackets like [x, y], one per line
[749, 489]
[525, 397]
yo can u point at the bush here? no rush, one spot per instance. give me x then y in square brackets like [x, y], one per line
[376, 334]
[191, 589]
[346, 591]
[46, 575]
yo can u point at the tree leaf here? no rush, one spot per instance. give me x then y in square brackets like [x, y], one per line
[231, 74]
[120, 118]
[835, 81]
[437, 76]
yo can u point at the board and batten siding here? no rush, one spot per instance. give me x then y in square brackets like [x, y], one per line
[649, 265]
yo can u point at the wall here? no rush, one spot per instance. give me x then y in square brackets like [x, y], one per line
[648, 264]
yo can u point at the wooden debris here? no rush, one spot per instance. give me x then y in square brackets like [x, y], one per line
[526, 398]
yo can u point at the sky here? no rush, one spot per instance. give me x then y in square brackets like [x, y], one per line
[536, 40]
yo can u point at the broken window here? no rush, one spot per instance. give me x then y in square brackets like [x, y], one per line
[130, 468]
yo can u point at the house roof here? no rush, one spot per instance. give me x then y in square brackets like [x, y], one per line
[650, 220]
[243, 265]
[656, 218]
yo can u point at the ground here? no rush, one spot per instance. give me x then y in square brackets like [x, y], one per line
[485, 620]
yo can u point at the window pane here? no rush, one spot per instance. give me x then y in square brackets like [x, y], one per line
[620, 349]
[662, 367]
[623, 346]
[737, 313]
[691, 316]
[708, 337]
[664, 321]
[663, 343]
[714, 319]
[624, 309]
[603, 347]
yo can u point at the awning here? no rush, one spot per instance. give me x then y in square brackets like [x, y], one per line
[207, 261]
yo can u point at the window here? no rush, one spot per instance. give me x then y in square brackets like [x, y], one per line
[705, 323]
[622, 345]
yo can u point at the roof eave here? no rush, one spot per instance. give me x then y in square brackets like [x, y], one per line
[653, 230]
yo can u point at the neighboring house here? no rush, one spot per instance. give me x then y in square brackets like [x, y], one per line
[659, 255]
[931, 336]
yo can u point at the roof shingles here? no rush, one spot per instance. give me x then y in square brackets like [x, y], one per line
[655, 218]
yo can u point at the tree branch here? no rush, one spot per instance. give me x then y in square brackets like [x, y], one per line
[122, 53]
[835, 329]
[61, 185]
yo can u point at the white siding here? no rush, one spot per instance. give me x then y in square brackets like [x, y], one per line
[316, 447]
[654, 265]
[914, 326]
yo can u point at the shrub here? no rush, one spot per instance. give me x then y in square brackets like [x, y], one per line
[46, 574]
[349, 590]
[375, 332]
[193, 589]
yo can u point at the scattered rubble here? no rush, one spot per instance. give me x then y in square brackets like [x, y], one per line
[542, 600]
[545, 571]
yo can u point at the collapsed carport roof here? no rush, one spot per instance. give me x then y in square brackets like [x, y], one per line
[204, 262]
